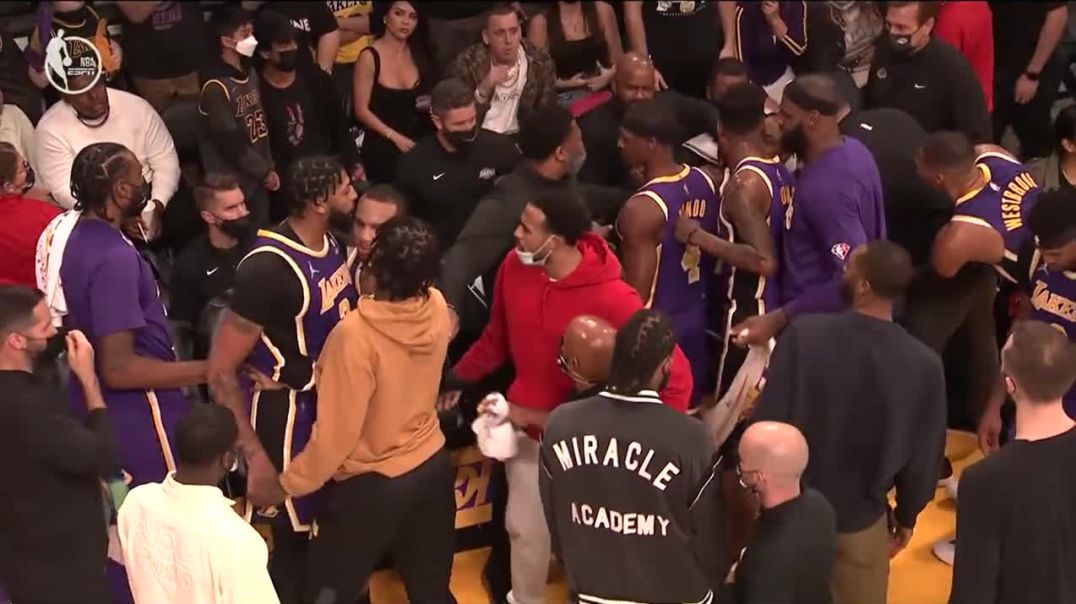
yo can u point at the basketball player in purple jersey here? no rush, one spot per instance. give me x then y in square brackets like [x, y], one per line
[993, 194]
[290, 291]
[669, 275]
[112, 297]
[837, 207]
[1047, 276]
[750, 221]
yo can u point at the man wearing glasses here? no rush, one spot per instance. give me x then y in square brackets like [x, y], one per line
[790, 558]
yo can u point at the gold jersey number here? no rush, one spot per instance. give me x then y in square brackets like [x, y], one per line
[690, 263]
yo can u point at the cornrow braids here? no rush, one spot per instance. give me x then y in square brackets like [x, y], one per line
[642, 345]
[311, 179]
[94, 172]
[405, 258]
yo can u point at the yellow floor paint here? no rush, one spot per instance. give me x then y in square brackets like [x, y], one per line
[916, 576]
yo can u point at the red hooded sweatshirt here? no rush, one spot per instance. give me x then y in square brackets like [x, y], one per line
[530, 313]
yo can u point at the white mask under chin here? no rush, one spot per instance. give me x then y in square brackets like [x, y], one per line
[246, 46]
[529, 259]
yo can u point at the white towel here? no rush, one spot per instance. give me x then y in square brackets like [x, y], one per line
[742, 394]
[49, 257]
[495, 434]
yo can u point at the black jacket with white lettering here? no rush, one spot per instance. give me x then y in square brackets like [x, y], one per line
[633, 501]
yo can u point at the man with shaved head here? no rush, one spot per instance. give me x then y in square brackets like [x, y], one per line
[586, 350]
[837, 207]
[633, 82]
[790, 558]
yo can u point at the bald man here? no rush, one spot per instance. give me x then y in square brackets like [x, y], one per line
[586, 351]
[633, 82]
[790, 558]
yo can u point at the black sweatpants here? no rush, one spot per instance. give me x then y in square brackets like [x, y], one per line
[939, 311]
[412, 516]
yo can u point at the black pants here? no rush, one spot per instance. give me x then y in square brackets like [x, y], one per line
[1031, 122]
[412, 515]
[287, 565]
[939, 311]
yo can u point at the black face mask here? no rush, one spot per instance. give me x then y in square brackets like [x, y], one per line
[795, 141]
[461, 139]
[341, 221]
[664, 382]
[287, 60]
[54, 347]
[237, 228]
[31, 178]
[900, 43]
[138, 202]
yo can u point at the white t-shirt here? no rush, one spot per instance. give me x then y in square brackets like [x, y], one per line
[503, 114]
[185, 543]
[131, 122]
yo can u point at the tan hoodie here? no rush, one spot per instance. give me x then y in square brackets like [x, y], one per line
[377, 380]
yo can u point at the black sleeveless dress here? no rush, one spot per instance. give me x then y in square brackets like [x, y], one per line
[397, 107]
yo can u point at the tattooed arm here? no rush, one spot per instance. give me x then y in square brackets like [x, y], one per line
[232, 344]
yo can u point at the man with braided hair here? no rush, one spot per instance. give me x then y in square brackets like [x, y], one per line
[112, 297]
[628, 483]
[290, 291]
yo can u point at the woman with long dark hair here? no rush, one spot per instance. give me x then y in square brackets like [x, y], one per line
[584, 41]
[392, 78]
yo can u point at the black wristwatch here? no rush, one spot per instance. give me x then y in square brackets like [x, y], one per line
[1031, 75]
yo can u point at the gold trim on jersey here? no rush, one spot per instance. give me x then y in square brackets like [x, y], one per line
[227, 95]
[988, 176]
[995, 154]
[293, 515]
[248, 512]
[158, 425]
[972, 220]
[658, 200]
[300, 332]
[762, 174]
[297, 246]
[681, 175]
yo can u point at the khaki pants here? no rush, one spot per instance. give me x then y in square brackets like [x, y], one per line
[527, 529]
[861, 569]
[161, 93]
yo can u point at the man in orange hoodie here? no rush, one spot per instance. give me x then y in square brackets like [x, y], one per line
[377, 435]
[558, 271]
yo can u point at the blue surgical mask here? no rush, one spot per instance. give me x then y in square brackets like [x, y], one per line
[529, 259]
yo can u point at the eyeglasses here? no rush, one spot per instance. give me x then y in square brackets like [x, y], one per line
[566, 369]
[740, 473]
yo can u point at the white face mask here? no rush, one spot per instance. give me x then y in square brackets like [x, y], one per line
[246, 46]
[528, 258]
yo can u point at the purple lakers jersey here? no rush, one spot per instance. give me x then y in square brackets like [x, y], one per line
[1002, 204]
[683, 271]
[1053, 300]
[743, 291]
[286, 353]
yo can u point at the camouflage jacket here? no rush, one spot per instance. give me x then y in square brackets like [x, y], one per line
[540, 90]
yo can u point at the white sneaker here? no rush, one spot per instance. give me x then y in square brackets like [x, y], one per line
[950, 485]
[945, 550]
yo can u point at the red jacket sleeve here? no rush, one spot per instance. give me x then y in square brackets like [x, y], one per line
[966, 26]
[491, 349]
[624, 303]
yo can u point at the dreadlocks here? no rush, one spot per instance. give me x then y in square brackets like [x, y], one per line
[405, 258]
[312, 179]
[94, 173]
[642, 345]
